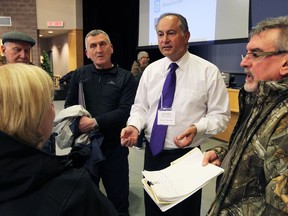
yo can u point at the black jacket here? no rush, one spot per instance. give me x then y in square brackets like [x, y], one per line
[109, 95]
[34, 183]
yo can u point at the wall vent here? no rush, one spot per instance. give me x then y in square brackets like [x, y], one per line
[5, 21]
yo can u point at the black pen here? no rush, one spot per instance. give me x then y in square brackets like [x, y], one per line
[149, 183]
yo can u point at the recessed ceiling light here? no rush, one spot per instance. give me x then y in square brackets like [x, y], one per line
[50, 32]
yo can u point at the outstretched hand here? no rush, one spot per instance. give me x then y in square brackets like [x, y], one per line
[186, 137]
[129, 136]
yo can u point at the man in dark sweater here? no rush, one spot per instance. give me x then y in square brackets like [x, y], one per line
[109, 93]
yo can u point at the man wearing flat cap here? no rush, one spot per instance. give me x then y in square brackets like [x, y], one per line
[16, 47]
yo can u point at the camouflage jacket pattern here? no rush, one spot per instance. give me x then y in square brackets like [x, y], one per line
[255, 180]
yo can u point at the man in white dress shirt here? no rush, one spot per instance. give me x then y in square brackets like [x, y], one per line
[200, 107]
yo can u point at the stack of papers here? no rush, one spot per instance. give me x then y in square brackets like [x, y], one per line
[185, 176]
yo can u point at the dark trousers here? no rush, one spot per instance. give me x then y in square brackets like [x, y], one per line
[188, 207]
[114, 172]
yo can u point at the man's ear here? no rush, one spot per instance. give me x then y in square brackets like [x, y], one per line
[112, 49]
[284, 68]
[87, 54]
[3, 50]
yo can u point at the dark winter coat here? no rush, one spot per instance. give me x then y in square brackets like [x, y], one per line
[34, 183]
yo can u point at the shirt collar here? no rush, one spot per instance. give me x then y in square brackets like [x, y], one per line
[180, 62]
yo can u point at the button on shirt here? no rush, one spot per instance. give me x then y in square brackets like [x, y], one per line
[200, 98]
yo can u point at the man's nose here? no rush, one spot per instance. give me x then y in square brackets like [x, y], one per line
[22, 54]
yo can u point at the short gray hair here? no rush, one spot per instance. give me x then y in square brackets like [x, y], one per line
[270, 23]
[94, 33]
[141, 54]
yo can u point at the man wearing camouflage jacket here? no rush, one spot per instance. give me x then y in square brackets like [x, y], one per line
[256, 162]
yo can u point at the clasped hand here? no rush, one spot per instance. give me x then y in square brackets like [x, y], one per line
[86, 124]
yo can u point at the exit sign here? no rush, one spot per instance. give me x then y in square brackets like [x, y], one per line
[55, 23]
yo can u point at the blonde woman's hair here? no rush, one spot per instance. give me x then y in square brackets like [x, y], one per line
[26, 91]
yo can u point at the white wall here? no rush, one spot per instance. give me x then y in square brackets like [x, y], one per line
[69, 11]
[60, 49]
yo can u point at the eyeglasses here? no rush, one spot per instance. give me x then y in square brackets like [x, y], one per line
[258, 55]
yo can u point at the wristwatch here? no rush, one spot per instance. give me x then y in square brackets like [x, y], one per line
[96, 126]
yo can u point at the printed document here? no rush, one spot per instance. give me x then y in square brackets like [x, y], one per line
[185, 176]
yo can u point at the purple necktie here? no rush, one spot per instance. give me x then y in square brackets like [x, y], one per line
[159, 131]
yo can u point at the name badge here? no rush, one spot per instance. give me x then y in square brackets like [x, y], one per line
[166, 117]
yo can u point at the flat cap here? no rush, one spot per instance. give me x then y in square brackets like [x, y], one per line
[17, 36]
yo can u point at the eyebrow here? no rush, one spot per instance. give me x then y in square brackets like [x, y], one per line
[256, 50]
